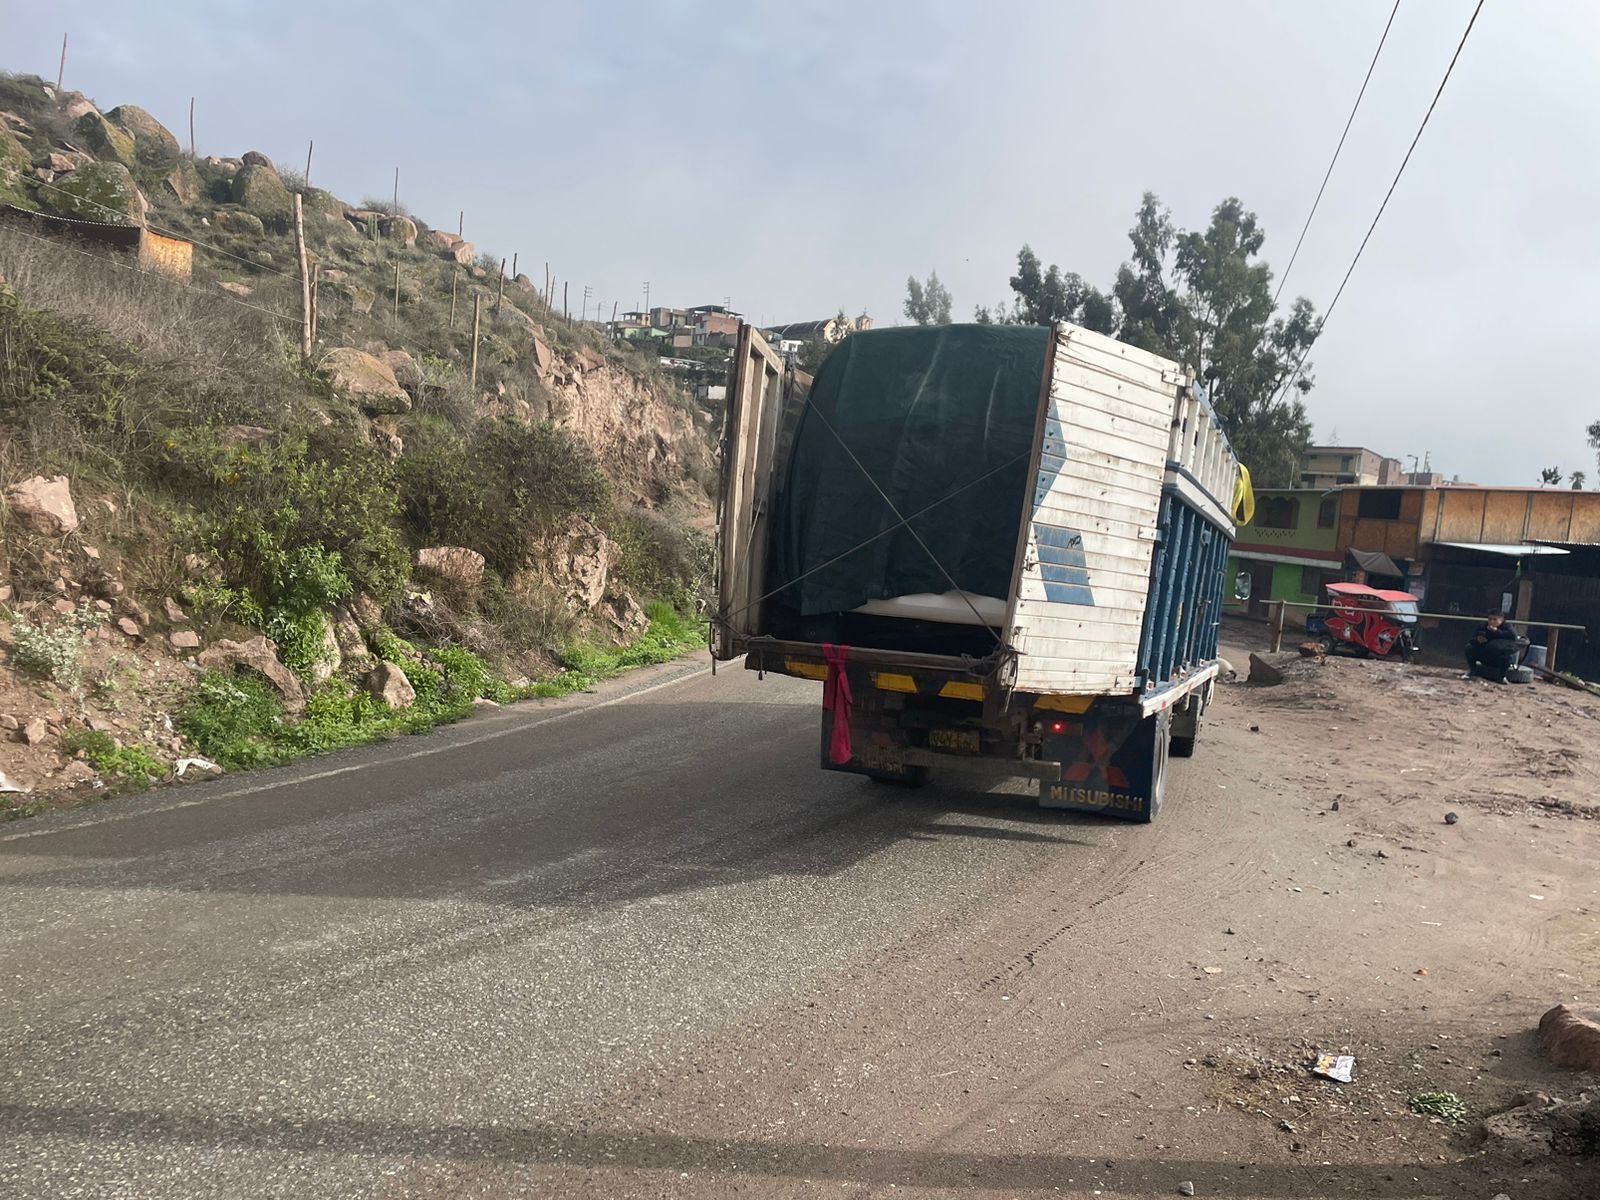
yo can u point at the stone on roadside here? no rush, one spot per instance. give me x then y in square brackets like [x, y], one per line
[1570, 1038]
[175, 612]
[260, 655]
[130, 627]
[184, 639]
[1451, 818]
[44, 506]
[1186, 1188]
[388, 682]
[35, 730]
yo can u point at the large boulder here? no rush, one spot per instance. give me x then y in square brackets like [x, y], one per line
[317, 202]
[44, 506]
[398, 229]
[259, 189]
[388, 682]
[104, 140]
[364, 380]
[406, 372]
[450, 246]
[153, 141]
[260, 655]
[76, 106]
[15, 159]
[254, 158]
[580, 565]
[99, 191]
[182, 183]
[1571, 1038]
[457, 564]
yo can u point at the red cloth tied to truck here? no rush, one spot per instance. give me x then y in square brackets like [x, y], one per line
[836, 698]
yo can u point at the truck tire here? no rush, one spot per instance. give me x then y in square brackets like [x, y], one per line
[1160, 734]
[1186, 726]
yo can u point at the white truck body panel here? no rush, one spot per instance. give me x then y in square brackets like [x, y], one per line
[1084, 574]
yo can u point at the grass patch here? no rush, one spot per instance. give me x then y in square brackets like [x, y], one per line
[133, 765]
[1445, 1106]
[669, 635]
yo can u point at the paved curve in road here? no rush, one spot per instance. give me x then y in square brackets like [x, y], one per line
[473, 930]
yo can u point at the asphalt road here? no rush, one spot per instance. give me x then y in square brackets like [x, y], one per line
[296, 982]
[638, 944]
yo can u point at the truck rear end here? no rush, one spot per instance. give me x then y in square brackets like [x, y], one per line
[1001, 549]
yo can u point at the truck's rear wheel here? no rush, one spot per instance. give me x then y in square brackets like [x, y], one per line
[1158, 729]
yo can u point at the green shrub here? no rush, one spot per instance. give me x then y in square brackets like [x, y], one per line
[660, 560]
[54, 652]
[233, 720]
[501, 490]
[299, 524]
[133, 764]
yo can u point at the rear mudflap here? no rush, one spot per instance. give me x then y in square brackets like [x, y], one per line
[1112, 758]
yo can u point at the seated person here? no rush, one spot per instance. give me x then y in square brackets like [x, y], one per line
[1492, 649]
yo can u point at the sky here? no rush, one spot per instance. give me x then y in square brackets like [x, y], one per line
[796, 159]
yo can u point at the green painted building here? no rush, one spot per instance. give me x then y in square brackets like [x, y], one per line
[1290, 549]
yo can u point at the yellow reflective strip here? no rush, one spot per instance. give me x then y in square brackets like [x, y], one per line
[962, 691]
[889, 682]
[805, 670]
[1065, 704]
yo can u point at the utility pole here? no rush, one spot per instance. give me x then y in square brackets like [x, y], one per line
[647, 297]
[305, 283]
[473, 373]
[61, 71]
[584, 314]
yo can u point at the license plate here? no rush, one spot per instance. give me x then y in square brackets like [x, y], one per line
[962, 741]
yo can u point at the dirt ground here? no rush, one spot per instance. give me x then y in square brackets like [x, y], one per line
[1142, 1016]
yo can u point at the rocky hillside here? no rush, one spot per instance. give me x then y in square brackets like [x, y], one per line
[212, 550]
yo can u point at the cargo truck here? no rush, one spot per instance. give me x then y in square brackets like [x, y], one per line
[1000, 548]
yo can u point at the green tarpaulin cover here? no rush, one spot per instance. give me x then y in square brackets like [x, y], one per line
[925, 410]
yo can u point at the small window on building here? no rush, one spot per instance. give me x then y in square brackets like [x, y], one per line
[1328, 513]
[1277, 512]
[1311, 581]
[1379, 505]
[1344, 462]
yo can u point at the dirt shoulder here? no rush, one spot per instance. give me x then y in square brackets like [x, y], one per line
[1142, 1014]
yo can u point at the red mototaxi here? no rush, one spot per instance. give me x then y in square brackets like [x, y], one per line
[1367, 621]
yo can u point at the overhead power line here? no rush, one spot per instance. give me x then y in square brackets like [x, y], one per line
[1328, 174]
[1328, 312]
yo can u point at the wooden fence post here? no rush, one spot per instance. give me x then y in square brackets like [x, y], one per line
[454, 276]
[565, 313]
[305, 282]
[1554, 641]
[310, 146]
[513, 264]
[1277, 625]
[472, 375]
[61, 71]
[501, 294]
[192, 152]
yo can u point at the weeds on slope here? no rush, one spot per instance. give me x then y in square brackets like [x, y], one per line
[238, 721]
